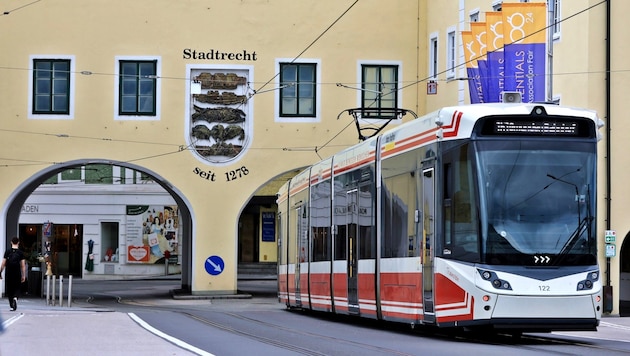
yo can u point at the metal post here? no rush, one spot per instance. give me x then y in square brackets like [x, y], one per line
[52, 299]
[61, 291]
[47, 289]
[69, 291]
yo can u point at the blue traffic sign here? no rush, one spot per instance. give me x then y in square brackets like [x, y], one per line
[214, 265]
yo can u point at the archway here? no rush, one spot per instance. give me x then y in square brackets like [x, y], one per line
[15, 202]
[257, 244]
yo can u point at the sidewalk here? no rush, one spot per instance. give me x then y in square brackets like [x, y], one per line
[36, 328]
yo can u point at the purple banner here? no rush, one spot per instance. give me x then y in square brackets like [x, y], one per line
[474, 86]
[525, 70]
[496, 70]
[484, 73]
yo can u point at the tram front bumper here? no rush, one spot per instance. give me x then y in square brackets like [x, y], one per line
[547, 313]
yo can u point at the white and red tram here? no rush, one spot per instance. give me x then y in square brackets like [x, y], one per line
[477, 215]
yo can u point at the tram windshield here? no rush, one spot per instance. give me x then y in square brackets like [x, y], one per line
[539, 202]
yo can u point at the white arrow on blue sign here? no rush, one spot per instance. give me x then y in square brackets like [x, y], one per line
[214, 265]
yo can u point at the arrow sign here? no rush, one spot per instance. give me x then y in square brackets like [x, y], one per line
[214, 265]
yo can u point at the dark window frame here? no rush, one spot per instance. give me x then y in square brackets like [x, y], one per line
[50, 78]
[139, 81]
[291, 89]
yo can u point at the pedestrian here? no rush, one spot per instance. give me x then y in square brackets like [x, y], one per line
[15, 265]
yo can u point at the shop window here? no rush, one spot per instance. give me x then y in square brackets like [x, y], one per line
[109, 242]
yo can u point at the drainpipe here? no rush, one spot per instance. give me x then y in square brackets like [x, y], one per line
[608, 291]
[550, 28]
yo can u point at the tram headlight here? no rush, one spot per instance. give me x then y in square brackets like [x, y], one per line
[588, 283]
[494, 280]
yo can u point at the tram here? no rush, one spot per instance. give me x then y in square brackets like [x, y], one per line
[471, 216]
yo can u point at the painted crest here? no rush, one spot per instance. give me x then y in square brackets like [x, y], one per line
[219, 113]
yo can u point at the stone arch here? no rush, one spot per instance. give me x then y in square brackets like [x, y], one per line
[12, 207]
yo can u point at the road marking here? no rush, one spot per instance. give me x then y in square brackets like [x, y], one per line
[167, 337]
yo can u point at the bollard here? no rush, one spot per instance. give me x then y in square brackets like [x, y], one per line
[69, 291]
[47, 289]
[61, 291]
[52, 298]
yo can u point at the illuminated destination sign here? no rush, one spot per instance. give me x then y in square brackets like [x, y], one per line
[536, 127]
[541, 126]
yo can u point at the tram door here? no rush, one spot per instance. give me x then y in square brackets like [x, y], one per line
[428, 240]
[352, 241]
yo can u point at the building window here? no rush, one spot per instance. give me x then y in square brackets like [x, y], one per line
[297, 89]
[433, 56]
[137, 88]
[71, 175]
[451, 53]
[109, 242]
[51, 86]
[379, 84]
[555, 18]
[474, 16]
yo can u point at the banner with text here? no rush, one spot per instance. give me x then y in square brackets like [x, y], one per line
[525, 52]
[507, 53]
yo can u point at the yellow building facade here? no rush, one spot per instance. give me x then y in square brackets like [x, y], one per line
[210, 99]
[219, 100]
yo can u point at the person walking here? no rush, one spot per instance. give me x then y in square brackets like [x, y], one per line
[15, 264]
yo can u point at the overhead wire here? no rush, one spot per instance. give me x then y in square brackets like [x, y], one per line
[8, 12]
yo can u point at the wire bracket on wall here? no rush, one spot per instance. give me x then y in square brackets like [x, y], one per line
[378, 118]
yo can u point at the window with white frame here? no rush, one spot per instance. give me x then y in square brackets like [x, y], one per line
[137, 88]
[433, 56]
[555, 18]
[451, 54]
[474, 16]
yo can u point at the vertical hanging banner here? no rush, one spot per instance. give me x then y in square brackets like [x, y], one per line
[496, 62]
[478, 30]
[524, 35]
[470, 56]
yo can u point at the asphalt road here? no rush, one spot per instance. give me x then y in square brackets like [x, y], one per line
[142, 315]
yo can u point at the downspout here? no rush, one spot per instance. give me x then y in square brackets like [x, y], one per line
[550, 26]
[608, 292]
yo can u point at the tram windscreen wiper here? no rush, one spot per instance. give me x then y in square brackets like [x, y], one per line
[573, 239]
[577, 194]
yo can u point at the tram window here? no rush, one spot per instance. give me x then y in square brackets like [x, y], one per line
[397, 208]
[367, 237]
[461, 238]
[320, 221]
